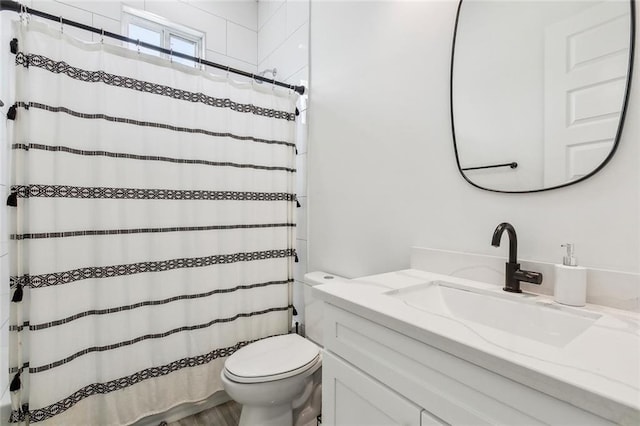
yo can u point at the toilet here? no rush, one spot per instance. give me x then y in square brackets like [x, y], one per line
[278, 379]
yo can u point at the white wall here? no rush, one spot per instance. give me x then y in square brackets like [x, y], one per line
[382, 174]
[230, 26]
[283, 38]
[283, 43]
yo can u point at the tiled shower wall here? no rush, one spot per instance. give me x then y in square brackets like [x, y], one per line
[230, 27]
[247, 35]
[283, 43]
[5, 95]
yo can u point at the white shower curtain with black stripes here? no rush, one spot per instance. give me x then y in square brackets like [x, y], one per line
[153, 229]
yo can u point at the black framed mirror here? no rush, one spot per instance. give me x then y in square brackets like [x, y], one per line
[539, 90]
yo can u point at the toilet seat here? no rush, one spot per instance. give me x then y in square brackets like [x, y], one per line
[273, 358]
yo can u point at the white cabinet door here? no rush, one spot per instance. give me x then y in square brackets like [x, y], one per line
[352, 398]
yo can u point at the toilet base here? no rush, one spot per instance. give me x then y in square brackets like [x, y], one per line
[307, 408]
[278, 415]
[292, 399]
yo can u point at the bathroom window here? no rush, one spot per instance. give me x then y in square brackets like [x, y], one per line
[154, 29]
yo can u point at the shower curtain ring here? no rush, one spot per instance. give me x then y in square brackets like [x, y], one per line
[228, 71]
[102, 35]
[171, 55]
[61, 26]
[138, 44]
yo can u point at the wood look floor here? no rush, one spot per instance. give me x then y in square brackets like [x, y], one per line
[227, 414]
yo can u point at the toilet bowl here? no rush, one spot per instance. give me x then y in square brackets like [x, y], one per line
[278, 379]
[268, 375]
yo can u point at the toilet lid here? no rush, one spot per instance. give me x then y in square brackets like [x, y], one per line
[272, 358]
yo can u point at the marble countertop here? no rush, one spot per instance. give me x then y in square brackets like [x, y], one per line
[598, 371]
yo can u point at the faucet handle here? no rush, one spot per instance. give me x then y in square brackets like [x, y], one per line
[529, 276]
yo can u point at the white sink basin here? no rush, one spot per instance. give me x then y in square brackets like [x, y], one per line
[517, 314]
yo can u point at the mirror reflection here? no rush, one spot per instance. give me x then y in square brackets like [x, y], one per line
[538, 90]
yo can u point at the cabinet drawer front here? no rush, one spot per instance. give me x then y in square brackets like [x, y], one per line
[352, 398]
[454, 390]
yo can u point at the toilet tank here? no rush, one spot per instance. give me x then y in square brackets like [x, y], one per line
[313, 307]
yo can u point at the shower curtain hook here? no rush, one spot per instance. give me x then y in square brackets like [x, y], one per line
[171, 55]
[273, 84]
[138, 46]
[228, 72]
[61, 26]
[102, 35]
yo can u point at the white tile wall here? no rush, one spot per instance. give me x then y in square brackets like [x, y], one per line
[283, 43]
[301, 176]
[301, 228]
[298, 302]
[68, 12]
[266, 10]
[300, 268]
[230, 26]
[291, 56]
[301, 131]
[213, 26]
[241, 12]
[297, 15]
[273, 33]
[242, 43]
[301, 223]
[109, 9]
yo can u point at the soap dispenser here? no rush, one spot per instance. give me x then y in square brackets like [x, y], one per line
[571, 280]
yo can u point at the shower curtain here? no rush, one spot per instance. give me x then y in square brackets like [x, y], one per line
[153, 228]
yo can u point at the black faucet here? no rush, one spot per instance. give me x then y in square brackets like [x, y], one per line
[513, 273]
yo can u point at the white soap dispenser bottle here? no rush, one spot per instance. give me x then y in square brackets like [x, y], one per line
[571, 281]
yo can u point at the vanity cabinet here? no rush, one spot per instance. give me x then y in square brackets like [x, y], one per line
[373, 375]
[355, 398]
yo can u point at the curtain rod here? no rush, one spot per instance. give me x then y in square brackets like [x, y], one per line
[14, 6]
